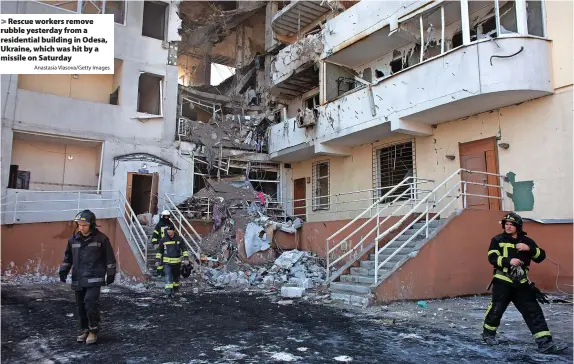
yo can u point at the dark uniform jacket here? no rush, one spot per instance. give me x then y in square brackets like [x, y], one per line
[90, 258]
[503, 249]
[171, 250]
[159, 231]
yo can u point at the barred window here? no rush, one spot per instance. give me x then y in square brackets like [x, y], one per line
[392, 164]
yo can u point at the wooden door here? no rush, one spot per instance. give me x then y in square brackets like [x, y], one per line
[480, 156]
[154, 197]
[299, 207]
[129, 187]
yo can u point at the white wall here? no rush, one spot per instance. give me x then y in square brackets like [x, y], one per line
[118, 125]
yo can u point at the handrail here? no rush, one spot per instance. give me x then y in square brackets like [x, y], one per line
[195, 248]
[117, 207]
[434, 204]
[411, 190]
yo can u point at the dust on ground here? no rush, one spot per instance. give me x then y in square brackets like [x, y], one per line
[39, 325]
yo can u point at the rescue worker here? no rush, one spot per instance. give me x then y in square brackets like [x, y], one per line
[511, 253]
[90, 257]
[159, 233]
[171, 252]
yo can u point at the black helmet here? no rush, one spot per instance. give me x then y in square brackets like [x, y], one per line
[513, 218]
[186, 270]
[88, 217]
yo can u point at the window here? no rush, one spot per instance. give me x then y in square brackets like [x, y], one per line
[393, 163]
[154, 20]
[535, 14]
[150, 94]
[321, 185]
[311, 102]
[117, 8]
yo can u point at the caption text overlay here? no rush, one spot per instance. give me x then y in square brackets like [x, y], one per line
[56, 44]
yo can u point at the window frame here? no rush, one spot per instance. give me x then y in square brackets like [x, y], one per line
[317, 205]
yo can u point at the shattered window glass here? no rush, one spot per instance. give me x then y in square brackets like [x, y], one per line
[535, 18]
[507, 11]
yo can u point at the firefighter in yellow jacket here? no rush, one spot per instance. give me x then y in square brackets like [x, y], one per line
[511, 253]
[171, 252]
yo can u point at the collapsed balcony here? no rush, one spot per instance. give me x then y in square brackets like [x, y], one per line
[294, 70]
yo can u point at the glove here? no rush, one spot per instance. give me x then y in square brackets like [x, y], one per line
[517, 273]
[540, 297]
[110, 278]
[63, 276]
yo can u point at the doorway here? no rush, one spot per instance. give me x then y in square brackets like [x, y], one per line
[142, 191]
[480, 155]
[299, 207]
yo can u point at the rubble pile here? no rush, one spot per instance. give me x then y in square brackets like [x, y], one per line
[292, 269]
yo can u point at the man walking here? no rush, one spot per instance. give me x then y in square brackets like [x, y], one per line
[90, 257]
[170, 252]
[511, 253]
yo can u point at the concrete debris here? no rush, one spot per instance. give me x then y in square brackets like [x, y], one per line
[293, 271]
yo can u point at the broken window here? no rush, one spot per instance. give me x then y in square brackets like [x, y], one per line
[311, 102]
[220, 73]
[340, 80]
[535, 18]
[150, 94]
[484, 23]
[393, 163]
[154, 19]
[321, 185]
[118, 8]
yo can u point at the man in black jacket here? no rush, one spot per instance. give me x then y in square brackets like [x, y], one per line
[511, 253]
[90, 257]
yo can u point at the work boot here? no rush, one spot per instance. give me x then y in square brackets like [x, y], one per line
[550, 347]
[91, 339]
[490, 339]
[82, 337]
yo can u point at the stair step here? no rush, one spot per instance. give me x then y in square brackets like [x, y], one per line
[352, 299]
[370, 264]
[368, 272]
[351, 287]
[352, 278]
[385, 254]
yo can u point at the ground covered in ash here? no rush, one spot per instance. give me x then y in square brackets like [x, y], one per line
[39, 325]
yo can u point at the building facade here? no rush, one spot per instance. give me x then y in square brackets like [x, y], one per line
[426, 88]
[100, 132]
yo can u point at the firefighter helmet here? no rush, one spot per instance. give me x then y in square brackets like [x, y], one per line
[86, 216]
[165, 213]
[513, 218]
[186, 270]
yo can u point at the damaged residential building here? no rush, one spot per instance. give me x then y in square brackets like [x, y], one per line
[377, 136]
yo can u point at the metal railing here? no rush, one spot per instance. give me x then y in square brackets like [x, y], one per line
[455, 189]
[185, 230]
[339, 255]
[30, 206]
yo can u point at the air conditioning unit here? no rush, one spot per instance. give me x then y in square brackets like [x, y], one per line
[181, 129]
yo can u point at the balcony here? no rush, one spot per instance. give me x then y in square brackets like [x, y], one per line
[293, 69]
[290, 143]
[463, 82]
[298, 15]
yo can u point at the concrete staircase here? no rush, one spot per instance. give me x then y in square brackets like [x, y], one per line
[356, 288]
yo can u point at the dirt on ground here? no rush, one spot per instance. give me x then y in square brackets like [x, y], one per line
[39, 325]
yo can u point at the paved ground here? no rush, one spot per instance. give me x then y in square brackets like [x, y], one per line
[140, 327]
